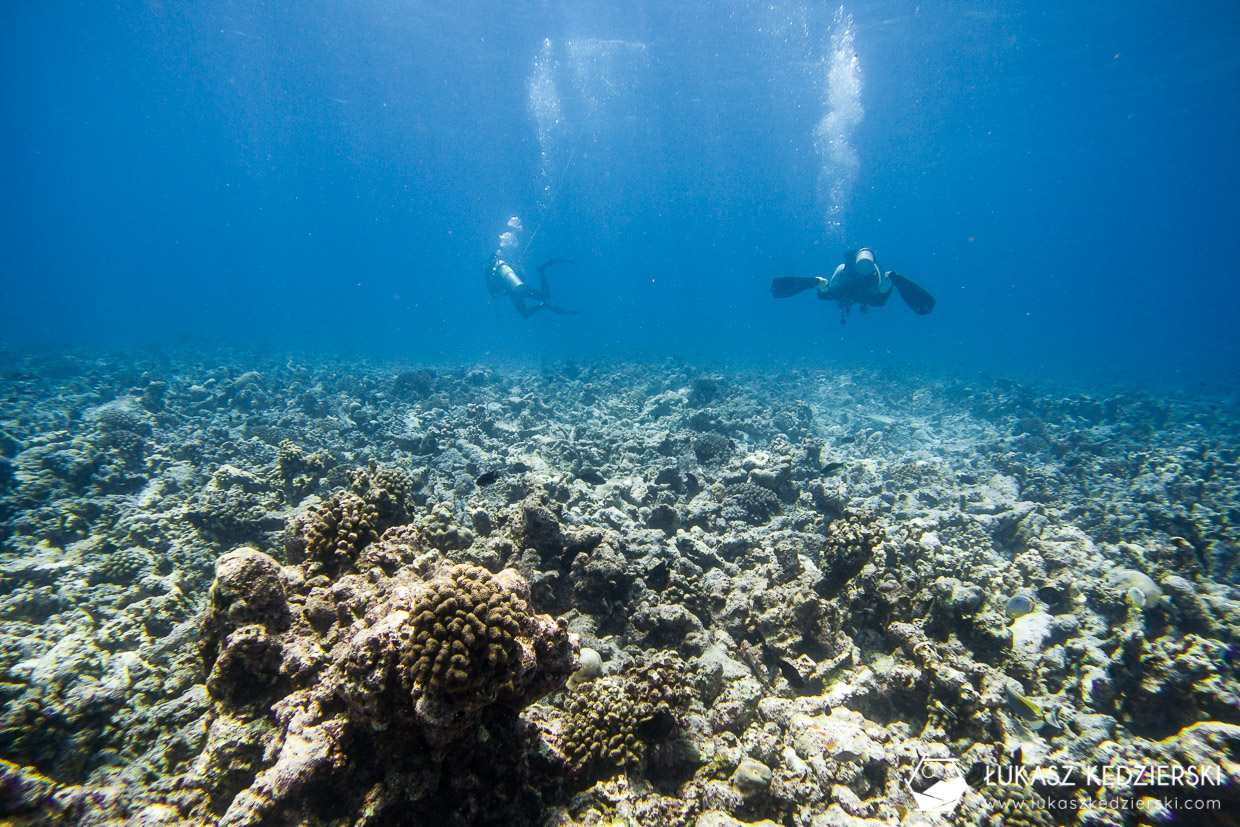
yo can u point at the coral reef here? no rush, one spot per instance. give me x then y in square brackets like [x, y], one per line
[462, 638]
[611, 720]
[355, 666]
[264, 592]
[331, 536]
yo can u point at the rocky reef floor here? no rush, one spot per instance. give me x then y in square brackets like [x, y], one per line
[254, 590]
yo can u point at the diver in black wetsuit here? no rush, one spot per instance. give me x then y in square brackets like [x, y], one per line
[506, 279]
[859, 280]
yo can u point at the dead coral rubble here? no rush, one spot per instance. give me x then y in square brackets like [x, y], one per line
[823, 557]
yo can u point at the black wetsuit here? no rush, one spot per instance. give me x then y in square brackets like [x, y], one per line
[854, 282]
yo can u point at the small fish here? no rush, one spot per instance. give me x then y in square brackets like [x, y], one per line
[591, 476]
[790, 672]
[1023, 708]
[1019, 606]
[1139, 590]
[832, 467]
[655, 727]
[519, 468]
[488, 478]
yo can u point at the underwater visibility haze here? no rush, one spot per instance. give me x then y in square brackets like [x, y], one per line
[1060, 176]
[441, 413]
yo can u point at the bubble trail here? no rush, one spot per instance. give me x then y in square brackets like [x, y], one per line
[839, 163]
[548, 118]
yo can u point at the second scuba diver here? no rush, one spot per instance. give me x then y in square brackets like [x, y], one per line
[859, 280]
[505, 278]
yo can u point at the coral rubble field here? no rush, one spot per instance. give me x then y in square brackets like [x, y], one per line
[264, 591]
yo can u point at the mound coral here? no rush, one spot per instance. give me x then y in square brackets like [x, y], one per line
[750, 503]
[461, 640]
[296, 472]
[334, 533]
[711, 448]
[441, 530]
[379, 680]
[611, 721]
[601, 728]
[123, 566]
[390, 490]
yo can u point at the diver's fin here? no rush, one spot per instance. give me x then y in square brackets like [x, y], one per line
[542, 274]
[551, 261]
[782, 288]
[915, 296]
[562, 311]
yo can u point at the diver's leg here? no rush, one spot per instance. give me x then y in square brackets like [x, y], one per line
[542, 274]
[526, 311]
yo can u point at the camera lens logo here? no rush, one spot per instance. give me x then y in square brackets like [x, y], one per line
[948, 787]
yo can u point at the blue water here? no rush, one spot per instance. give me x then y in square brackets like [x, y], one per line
[334, 176]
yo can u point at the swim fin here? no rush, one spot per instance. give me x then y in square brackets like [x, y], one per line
[542, 273]
[782, 288]
[542, 267]
[562, 311]
[915, 296]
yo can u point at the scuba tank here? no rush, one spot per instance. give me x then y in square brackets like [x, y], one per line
[505, 277]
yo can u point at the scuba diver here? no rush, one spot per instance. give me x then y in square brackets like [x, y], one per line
[859, 280]
[508, 279]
